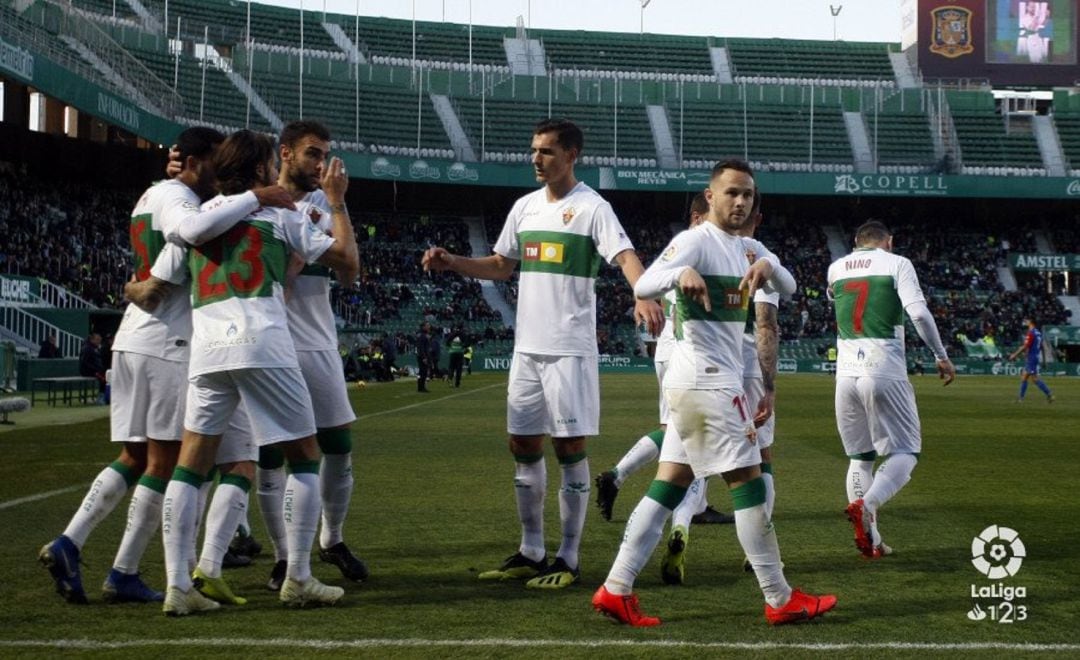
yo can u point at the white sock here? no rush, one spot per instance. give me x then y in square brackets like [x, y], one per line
[301, 511]
[144, 517]
[335, 487]
[893, 475]
[530, 486]
[770, 493]
[105, 493]
[641, 454]
[178, 514]
[643, 531]
[758, 541]
[192, 556]
[860, 476]
[226, 509]
[704, 502]
[691, 504]
[573, 505]
[270, 493]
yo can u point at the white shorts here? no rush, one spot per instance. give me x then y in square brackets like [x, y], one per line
[325, 378]
[238, 441]
[755, 389]
[716, 428]
[553, 395]
[146, 398]
[877, 415]
[665, 411]
[277, 402]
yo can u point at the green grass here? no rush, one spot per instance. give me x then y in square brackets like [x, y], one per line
[434, 505]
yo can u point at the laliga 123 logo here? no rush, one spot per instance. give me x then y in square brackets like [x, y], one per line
[997, 552]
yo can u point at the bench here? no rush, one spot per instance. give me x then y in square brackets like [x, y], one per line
[65, 388]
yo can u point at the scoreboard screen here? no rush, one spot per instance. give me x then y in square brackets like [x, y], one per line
[1011, 43]
[1042, 32]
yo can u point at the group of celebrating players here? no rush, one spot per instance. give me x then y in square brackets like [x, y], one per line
[231, 305]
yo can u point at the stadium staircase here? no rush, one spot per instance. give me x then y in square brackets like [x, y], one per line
[721, 64]
[459, 141]
[860, 142]
[253, 98]
[110, 73]
[836, 240]
[27, 323]
[661, 134]
[525, 56]
[1046, 137]
[479, 244]
[902, 71]
[1006, 278]
[337, 34]
[1071, 305]
[149, 21]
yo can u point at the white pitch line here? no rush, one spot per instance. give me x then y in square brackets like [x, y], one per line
[39, 496]
[90, 644]
[424, 403]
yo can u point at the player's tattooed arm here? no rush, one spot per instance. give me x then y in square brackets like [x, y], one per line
[148, 294]
[767, 335]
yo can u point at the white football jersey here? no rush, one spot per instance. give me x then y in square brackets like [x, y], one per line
[311, 319]
[237, 296]
[870, 289]
[560, 245]
[709, 344]
[164, 333]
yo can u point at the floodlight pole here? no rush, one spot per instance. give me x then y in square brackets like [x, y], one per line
[644, 4]
[835, 11]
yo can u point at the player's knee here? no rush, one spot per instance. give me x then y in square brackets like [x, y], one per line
[271, 457]
[335, 440]
[245, 469]
[133, 456]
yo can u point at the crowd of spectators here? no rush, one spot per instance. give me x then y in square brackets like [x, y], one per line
[76, 235]
[71, 234]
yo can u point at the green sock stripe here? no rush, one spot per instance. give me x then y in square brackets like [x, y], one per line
[766, 468]
[656, 436]
[190, 477]
[572, 458]
[213, 474]
[528, 458]
[665, 493]
[304, 467]
[238, 480]
[156, 484]
[865, 456]
[271, 457]
[127, 473]
[748, 495]
[334, 441]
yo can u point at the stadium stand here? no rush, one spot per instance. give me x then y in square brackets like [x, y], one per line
[987, 141]
[1066, 108]
[435, 42]
[773, 136]
[66, 233]
[226, 23]
[832, 62]
[507, 122]
[614, 51]
[901, 132]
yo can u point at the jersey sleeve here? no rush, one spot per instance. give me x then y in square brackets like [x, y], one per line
[907, 284]
[507, 244]
[608, 233]
[183, 222]
[303, 237]
[663, 274]
[782, 281]
[171, 264]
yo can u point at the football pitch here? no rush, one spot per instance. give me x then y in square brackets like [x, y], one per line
[434, 506]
